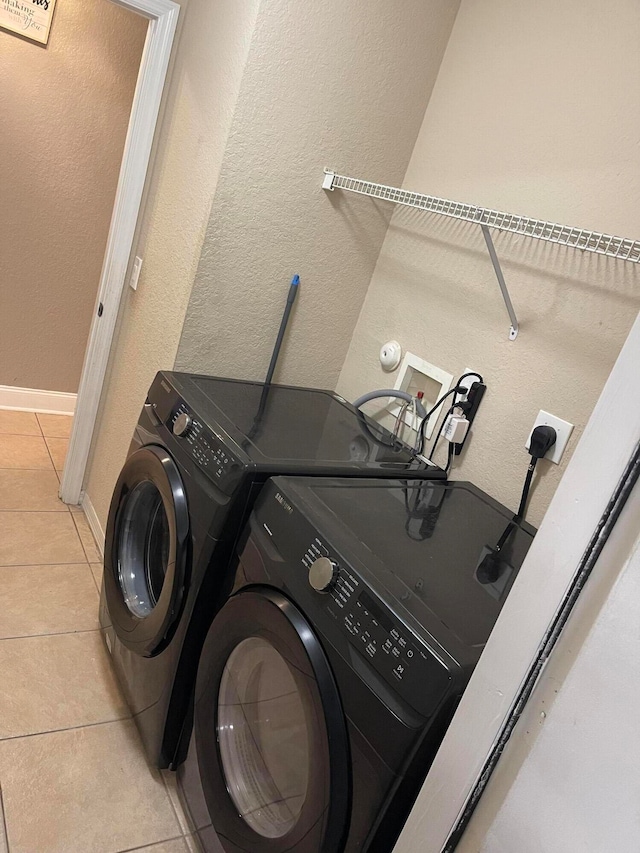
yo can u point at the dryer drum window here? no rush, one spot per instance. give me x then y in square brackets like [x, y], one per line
[263, 738]
[144, 546]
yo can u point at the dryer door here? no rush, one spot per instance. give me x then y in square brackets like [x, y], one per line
[269, 732]
[146, 551]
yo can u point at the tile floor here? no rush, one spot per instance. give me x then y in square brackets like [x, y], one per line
[73, 777]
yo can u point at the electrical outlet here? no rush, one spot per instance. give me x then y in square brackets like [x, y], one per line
[563, 432]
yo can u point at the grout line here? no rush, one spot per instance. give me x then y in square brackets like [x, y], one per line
[126, 719]
[36, 565]
[73, 518]
[50, 456]
[3, 824]
[39, 424]
[193, 845]
[26, 467]
[54, 511]
[95, 580]
[41, 428]
[152, 845]
[43, 565]
[52, 634]
[173, 806]
[179, 811]
[24, 434]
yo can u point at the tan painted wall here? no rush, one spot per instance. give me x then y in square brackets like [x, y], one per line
[209, 58]
[535, 111]
[64, 111]
[258, 137]
[326, 84]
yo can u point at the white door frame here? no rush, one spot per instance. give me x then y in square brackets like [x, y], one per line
[598, 463]
[163, 18]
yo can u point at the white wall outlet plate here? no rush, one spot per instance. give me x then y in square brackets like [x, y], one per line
[415, 375]
[563, 430]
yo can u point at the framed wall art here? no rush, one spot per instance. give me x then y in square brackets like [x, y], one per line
[28, 18]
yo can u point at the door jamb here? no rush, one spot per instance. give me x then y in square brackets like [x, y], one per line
[592, 476]
[163, 19]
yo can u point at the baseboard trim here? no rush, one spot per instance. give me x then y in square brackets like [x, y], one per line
[34, 400]
[93, 522]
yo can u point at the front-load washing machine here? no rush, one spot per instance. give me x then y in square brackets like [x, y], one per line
[201, 452]
[328, 678]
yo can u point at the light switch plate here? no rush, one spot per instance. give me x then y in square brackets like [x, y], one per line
[563, 430]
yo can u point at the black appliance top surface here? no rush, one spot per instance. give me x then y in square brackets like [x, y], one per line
[422, 542]
[302, 427]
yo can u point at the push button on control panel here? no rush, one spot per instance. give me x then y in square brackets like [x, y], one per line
[413, 672]
[209, 452]
[416, 674]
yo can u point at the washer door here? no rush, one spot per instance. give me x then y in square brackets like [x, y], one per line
[146, 551]
[270, 733]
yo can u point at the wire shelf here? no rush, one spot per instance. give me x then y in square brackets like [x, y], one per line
[563, 235]
[578, 238]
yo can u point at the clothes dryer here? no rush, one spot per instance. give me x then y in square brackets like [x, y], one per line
[329, 677]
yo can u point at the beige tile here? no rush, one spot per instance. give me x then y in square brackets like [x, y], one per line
[38, 538]
[30, 490]
[55, 426]
[176, 845]
[89, 790]
[24, 451]
[171, 784]
[86, 537]
[58, 449]
[18, 423]
[57, 682]
[47, 600]
[96, 571]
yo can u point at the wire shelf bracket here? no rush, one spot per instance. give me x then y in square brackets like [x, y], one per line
[563, 235]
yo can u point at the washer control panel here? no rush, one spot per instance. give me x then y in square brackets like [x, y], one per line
[375, 632]
[209, 451]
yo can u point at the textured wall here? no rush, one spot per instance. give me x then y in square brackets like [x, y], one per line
[209, 57]
[64, 114]
[530, 114]
[326, 84]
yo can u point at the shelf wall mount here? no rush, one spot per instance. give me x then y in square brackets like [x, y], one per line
[563, 235]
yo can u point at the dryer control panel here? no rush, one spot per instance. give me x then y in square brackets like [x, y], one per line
[205, 448]
[373, 630]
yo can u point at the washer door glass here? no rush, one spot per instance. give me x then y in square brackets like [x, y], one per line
[263, 738]
[143, 548]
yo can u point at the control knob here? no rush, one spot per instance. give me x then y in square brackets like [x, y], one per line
[183, 425]
[323, 574]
